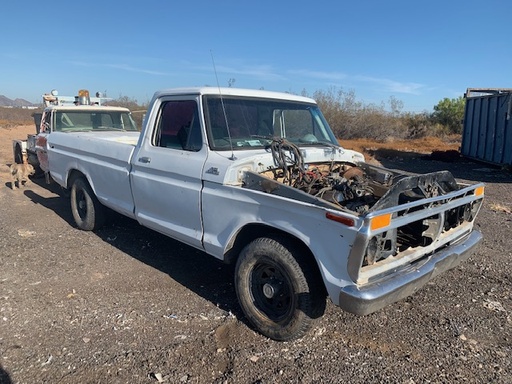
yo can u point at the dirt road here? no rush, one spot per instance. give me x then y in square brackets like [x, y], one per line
[127, 305]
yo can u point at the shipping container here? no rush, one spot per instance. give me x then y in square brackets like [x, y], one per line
[487, 132]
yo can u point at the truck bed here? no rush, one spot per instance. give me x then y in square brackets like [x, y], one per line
[107, 155]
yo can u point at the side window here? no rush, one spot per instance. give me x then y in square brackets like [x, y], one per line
[101, 120]
[298, 123]
[178, 126]
[47, 120]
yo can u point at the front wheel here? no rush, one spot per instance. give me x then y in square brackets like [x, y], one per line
[87, 211]
[278, 288]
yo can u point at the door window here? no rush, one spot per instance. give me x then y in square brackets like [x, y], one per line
[178, 126]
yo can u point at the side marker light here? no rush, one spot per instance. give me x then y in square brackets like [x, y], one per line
[381, 221]
[340, 219]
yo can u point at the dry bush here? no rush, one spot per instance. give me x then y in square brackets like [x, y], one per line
[11, 117]
[352, 119]
[418, 124]
[372, 123]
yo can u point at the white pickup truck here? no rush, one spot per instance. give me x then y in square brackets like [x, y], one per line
[257, 178]
[63, 113]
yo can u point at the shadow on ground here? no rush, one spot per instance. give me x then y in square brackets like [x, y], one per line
[199, 272]
[4, 377]
[461, 167]
[203, 274]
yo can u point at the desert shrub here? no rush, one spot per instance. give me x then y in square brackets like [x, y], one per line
[418, 125]
[352, 119]
[370, 122]
[124, 101]
[440, 130]
[138, 111]
[16, 116]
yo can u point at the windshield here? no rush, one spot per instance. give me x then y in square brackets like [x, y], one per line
[254, 122]
[94, 120]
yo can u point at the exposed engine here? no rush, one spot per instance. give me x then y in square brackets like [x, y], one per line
[366, 188]
[360, 188]
[340, 184]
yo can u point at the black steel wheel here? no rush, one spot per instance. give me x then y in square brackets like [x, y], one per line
[278, 289]
[87, 211]
[271, 289]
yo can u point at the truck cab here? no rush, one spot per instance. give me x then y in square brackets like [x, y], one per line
[68, 113]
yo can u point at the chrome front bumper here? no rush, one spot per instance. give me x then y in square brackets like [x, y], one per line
[396, 286]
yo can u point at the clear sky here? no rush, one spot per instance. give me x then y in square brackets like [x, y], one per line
[419, 52]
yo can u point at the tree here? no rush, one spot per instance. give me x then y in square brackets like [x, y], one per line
[395, 105]
[450, 112]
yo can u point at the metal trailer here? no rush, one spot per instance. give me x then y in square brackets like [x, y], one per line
[487, 129]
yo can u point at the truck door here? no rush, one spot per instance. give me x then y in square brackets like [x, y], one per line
[40, 147]
[166, 171]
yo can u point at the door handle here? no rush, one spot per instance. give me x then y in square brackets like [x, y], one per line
[145, 159]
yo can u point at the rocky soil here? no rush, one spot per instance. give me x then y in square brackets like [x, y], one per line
[127, 305]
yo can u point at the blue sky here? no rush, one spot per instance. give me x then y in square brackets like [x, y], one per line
[418, 52]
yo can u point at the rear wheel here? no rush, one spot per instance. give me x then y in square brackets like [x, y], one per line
[18, 155]
[279, 290]
[87, 211]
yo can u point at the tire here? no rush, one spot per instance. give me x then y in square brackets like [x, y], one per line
[279, 290]
[18, 155]
[87, 211]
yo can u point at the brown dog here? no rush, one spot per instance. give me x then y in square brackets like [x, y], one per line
[20, 173]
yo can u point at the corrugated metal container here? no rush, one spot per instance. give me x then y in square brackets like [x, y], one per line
[487, 131]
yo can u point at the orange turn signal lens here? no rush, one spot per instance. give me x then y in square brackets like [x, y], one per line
[479, 191]
[381, 221]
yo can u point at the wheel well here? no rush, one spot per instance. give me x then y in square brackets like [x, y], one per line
[74, 174]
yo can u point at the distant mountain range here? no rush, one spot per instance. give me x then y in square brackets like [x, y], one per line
[6, 102]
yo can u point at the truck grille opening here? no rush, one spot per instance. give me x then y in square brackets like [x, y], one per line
[456, 216]
[420, 233]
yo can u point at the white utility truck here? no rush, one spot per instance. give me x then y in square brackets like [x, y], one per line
[64, 113]
[257, 178]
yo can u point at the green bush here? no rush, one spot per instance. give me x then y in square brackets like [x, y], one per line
[449, 113]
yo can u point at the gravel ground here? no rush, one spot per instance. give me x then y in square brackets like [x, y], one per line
[127, 305]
